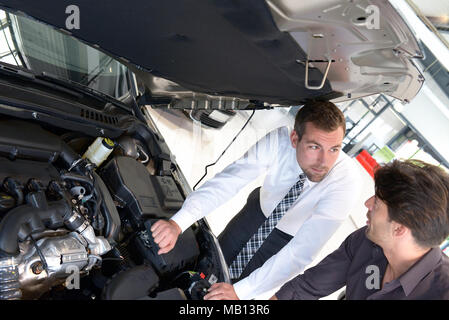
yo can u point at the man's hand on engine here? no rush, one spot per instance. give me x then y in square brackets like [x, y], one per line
[221, 291]
[165, 234]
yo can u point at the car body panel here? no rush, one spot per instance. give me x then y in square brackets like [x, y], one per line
[198, 52]
[371, 46]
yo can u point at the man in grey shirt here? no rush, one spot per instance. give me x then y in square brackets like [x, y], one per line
[397, 255]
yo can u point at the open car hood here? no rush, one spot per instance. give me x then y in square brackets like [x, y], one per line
[227, 54]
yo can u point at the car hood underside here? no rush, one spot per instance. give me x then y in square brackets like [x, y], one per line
[253, 50]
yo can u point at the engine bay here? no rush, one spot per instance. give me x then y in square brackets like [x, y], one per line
[77, 227]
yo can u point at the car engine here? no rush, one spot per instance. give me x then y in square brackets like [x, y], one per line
[70, 229]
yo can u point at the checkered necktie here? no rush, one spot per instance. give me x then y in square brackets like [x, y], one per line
[253, 244]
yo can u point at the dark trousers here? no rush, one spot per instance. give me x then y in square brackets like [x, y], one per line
[242, 227]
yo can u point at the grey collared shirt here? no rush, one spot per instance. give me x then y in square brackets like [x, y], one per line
[360, 265]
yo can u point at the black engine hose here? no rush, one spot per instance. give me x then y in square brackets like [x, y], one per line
[110, 219]
[106, 204]
[78, 178]
[36, 216]
[93, 189]
[68, 155]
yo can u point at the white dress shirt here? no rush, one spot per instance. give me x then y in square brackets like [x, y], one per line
[311, 220]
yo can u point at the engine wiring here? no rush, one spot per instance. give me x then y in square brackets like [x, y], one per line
[212, 164]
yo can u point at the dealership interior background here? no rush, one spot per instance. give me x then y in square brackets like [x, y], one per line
[379, 128]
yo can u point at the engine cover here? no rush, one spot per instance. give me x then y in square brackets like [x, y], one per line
[143, 195]
[23, 170]
[146, 198]
[184, 253]
[28, 140]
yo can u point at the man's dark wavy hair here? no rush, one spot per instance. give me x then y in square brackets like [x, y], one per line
[417, 196]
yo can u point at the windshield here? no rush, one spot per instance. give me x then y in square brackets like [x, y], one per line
[40, 48]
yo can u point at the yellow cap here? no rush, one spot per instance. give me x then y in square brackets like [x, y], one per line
[108, 143]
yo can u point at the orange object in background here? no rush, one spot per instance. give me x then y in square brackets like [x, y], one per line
[367, 162]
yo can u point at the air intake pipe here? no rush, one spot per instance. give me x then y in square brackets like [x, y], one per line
[35, 216]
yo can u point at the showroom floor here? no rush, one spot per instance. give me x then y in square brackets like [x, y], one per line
[195, 147]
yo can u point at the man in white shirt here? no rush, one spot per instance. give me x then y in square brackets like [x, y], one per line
[308, 191]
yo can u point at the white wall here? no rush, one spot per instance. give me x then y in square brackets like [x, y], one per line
[428, 113]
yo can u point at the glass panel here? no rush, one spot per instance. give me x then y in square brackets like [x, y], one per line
[40, 48]
[380, 102]
[363, 122]
[8, 52]
[378, 133]
[356, 111]
[407, 150]
[386, 126]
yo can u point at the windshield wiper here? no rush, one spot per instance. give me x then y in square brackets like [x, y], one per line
[29, 76]
[83, 89]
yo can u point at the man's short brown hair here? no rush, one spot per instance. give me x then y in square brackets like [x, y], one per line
[323, 114]
[417, 196]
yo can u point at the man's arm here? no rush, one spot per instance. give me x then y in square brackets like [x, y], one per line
[222, 187]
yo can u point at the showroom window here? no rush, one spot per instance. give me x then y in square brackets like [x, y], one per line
[373, 124]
